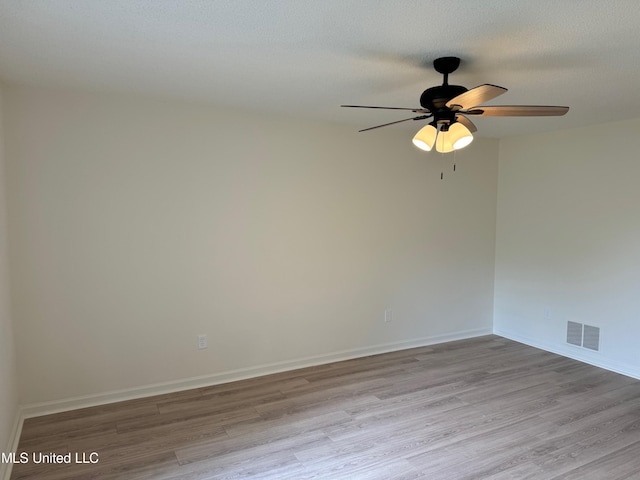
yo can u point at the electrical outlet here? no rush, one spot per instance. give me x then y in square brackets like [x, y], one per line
[202, 342]
[388, 315]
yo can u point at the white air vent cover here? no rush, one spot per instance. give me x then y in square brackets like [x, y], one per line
[583, 335]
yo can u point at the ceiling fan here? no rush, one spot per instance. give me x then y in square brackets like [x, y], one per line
[449, 106]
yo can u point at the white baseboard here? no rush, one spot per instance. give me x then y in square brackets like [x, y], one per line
[46, 408]
[14, 439]
[632, 371]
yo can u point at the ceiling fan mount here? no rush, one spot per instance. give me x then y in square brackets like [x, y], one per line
[452, 104]
[446, 65]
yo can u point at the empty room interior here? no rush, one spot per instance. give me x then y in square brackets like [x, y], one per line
[208, 271]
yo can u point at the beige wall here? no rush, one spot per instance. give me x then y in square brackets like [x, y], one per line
[137, 224]
[8, 379]
[568, 241]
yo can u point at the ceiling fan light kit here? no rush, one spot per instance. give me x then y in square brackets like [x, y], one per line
[449, 106]
[445, 140]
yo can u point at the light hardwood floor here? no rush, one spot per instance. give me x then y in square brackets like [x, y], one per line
[484, 408]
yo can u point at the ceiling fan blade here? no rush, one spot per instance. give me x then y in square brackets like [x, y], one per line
[421, 117]
[466, 122]
[415, 110]
[518, 111]
[476, 96]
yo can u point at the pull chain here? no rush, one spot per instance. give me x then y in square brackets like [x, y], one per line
[454, 163]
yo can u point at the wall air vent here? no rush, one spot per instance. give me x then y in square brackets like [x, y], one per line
[583, 335]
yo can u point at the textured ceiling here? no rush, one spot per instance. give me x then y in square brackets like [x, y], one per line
[305, 58]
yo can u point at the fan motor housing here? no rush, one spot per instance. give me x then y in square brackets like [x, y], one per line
[435, 98]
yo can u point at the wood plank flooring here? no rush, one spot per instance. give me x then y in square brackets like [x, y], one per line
[484, 408]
